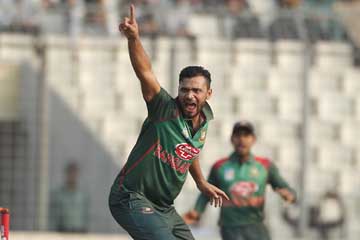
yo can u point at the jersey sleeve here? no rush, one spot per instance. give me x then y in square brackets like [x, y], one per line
[162, 106]
[203, 200]
[277, 181]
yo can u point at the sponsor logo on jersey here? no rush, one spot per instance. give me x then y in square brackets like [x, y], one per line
[229, 174]
[243, 189]
[174, 162]
[186, 151]
[242, 194]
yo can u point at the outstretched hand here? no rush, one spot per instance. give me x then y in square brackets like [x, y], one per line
[215, 194]
[286, 195]
[191, 217]
[129, 26]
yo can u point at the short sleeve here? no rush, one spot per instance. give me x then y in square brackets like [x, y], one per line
[162, 106]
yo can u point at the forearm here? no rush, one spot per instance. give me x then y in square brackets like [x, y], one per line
[139, 59]
[196, 173]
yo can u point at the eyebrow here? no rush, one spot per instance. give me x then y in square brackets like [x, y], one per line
[189, 88]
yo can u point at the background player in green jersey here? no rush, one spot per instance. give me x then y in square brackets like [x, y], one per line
[167, 148]
[243, 177]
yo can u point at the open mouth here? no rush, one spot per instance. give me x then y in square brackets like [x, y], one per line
[190, 107]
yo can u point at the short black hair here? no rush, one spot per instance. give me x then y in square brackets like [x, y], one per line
[243, 127]
[194, 71]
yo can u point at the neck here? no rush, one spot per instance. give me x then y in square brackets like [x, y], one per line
[244, 158]
[196, 121]
[71, 186]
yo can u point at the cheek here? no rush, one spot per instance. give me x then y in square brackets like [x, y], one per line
[201, 99]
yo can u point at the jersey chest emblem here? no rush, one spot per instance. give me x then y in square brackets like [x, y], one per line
[254, 172]
[202, 136]
[229, 174]
[186, 152]
[185, 132]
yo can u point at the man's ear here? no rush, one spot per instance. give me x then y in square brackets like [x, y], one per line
[254, 139]
[209, 94]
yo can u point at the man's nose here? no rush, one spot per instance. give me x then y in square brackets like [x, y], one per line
[189, 95]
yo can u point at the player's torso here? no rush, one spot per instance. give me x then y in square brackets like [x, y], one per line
[161, 170]
[245, 183]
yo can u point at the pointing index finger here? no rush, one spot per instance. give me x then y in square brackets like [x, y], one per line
[132, 13]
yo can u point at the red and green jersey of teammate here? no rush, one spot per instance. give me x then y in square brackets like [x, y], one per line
[245, 183]
[159, 162]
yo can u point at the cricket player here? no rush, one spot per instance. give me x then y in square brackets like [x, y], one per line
[243, 176]
[168, 146]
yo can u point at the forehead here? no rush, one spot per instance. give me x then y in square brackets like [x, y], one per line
[194, 82]
[243, 133]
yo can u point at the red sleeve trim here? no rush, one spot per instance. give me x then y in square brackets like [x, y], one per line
[219, 163]
[263, 161]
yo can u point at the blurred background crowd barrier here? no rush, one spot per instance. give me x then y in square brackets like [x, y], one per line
[68, 95]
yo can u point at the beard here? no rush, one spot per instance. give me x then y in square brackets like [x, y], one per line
[191, 110]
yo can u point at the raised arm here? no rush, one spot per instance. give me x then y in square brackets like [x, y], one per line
[139, 59]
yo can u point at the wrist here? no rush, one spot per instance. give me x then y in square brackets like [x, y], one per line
[201, 183]
[134, 38]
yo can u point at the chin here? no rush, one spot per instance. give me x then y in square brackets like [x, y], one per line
[190, 115]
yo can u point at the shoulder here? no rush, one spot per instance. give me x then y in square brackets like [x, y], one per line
[265, 162]
[219, 163]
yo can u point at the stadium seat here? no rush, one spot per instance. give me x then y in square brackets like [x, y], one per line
[289, 55]
[351, 83]
[204, 25]
[256, 105]
[318, 181]
[244, 79]
[357, 108]
[252, 53]
[17, 48]
[70, 95]
[275, 131]
[333, 56]
[348, 180]
[284, 80]
[350, 133]
[330, 154]
[322, 132]
[98, 104]
[265, 150]
[334, 107]
[221, 105]
[321, 81]
[288, 154]
[290, 106]
[119, 126]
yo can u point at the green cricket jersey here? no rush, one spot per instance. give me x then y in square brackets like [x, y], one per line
[245, 184]
[159, 162]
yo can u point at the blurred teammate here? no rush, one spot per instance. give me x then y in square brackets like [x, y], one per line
[70, 205]
[168, 146]
[243, 176]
